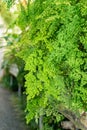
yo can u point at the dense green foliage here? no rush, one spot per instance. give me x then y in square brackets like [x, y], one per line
[54, 56]
[53, 45]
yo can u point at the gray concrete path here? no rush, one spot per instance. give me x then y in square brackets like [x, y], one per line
[8, 117]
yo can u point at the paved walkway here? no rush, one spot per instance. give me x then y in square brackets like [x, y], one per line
[8, 117]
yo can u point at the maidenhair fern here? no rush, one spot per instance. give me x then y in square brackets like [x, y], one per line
[55, 55]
